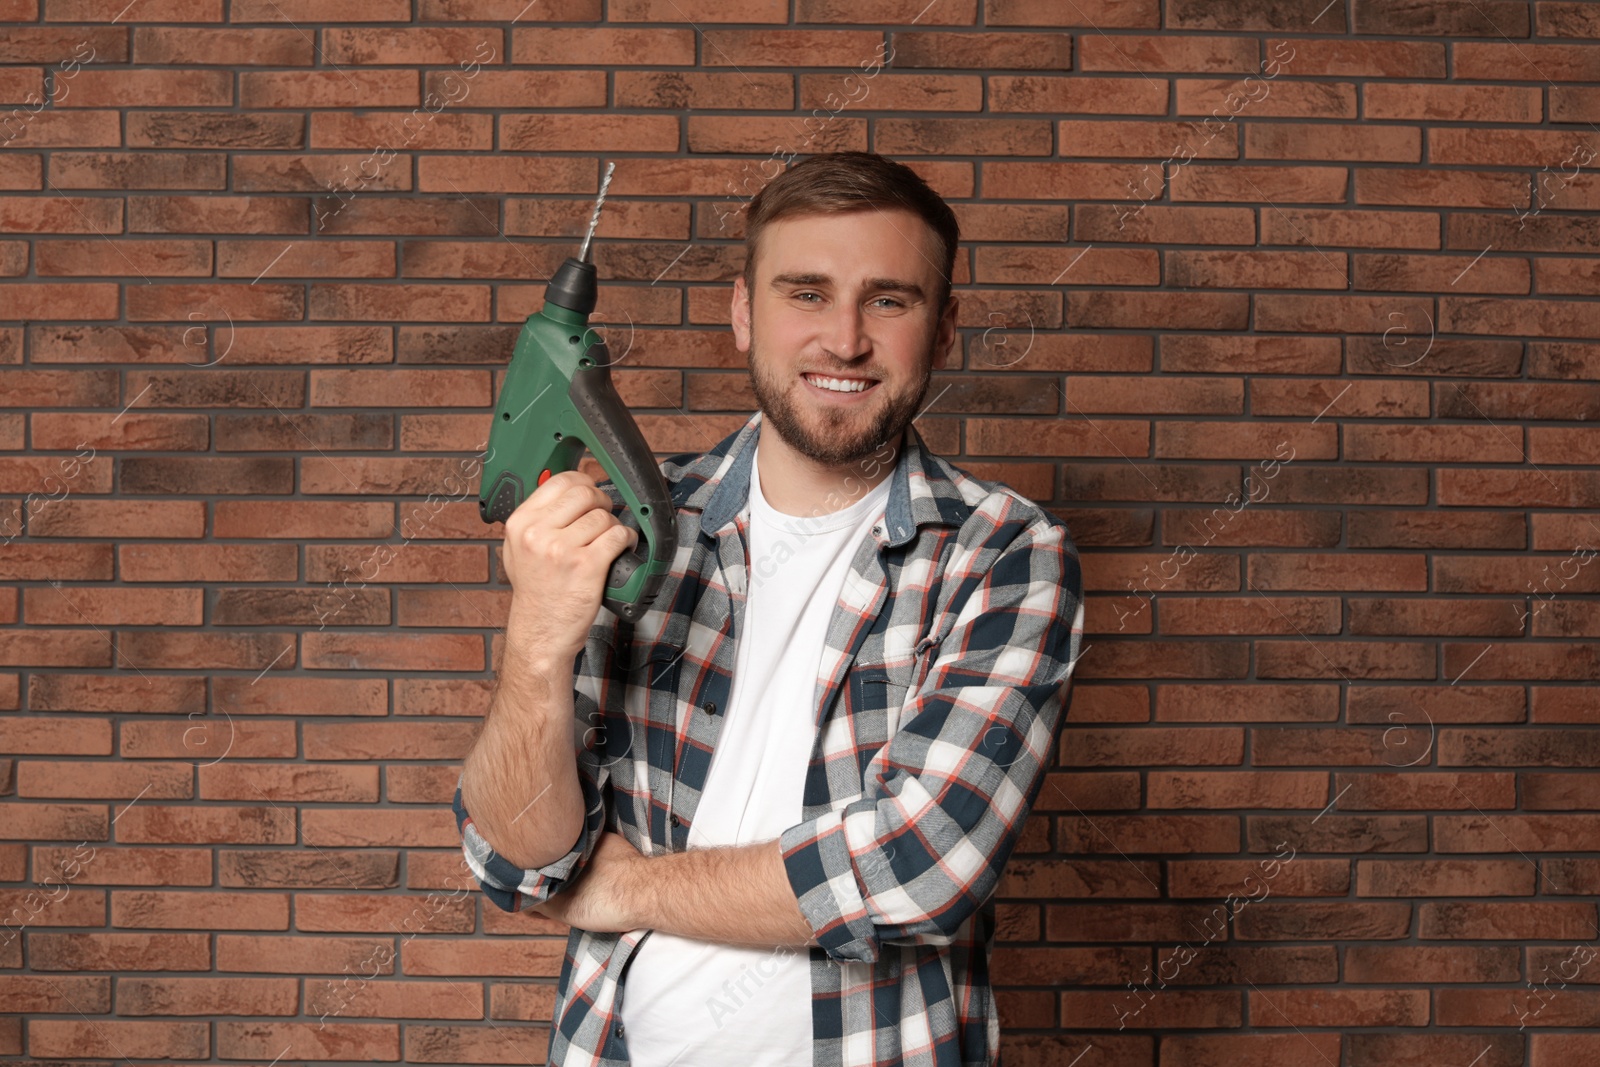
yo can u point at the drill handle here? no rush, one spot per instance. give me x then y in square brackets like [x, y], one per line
[616, 442]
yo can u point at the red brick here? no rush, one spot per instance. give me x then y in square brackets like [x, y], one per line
[208, 738]
[1247, 1050]
[159, 258]
[1341, 1007]
[207, 996]
[401, 652]
[213, 651]
[53, 900]
[1515, 921]
[1434, 790]
[299, 954]
[58, 562]
[407, 916]
[214, 129]
[1444, 878]
[434, 131]
[1175, 1009]
[1430, 964]
[1218, 878]
[400, 828]
[159, 824]
[152, 88]
[1454, 618]
[365, 1042]
[478, 958]
[224, 47]
[132, 866]
[363, 999]
[120, 952]
[1252, 615]
[70, 128]
[420, 785]
[42, 735]
[1479, 834]
[319, 259]
[97, 780]
[187, 909]
[110, 1039]
[90, 300]
[310, 10]
[413, 46]
[1235, 789]
[322, 868]
[1252, 702]
[1293, 921]
[209, 563]
[217, 214]
[55, 821]
[44, 44]
[47, 993]
[399, 303]
[1338, 571]
[321, 89]
[174, 300]
[294, 783]
[1357, 399]
[148, 11]
[441, 696]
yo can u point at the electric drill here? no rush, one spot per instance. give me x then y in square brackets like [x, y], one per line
[557, 401]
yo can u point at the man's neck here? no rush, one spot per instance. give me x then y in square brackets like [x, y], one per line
[796, 485]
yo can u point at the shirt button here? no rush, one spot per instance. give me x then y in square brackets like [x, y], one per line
[619, 1030]
[676, 821]
[710, 708]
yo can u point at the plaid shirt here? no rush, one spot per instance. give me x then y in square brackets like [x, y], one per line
[944, 680]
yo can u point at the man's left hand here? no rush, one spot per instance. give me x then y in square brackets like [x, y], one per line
[598, 900]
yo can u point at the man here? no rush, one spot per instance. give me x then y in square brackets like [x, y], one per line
[775, 809]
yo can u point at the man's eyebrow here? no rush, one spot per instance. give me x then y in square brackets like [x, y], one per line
[893, 285]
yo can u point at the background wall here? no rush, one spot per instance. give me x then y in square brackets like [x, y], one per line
[1327, 794]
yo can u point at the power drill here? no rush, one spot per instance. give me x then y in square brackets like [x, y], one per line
[558, 400]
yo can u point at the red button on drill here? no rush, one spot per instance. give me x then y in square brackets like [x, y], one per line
[543, 476]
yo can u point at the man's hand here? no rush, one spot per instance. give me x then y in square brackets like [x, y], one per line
[599, 900]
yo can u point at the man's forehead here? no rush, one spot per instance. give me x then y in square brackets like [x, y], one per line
[892, 264]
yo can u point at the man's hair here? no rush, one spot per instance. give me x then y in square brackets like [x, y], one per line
[838, 182]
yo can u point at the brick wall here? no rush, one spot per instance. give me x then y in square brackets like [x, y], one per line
[1287, 309]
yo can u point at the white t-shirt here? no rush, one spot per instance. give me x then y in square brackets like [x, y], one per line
[688, 1003]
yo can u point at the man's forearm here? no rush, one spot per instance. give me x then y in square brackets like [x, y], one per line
[733, 895]
[520, 781]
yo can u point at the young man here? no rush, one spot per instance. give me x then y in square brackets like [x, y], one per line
[775, 809]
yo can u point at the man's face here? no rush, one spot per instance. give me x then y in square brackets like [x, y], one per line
[842, 329]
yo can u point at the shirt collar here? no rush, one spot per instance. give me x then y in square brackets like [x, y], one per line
[922, 487]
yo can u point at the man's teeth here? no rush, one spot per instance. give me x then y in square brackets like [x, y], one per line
[838, 385]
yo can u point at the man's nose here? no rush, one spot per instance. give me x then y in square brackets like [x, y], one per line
[846, 336]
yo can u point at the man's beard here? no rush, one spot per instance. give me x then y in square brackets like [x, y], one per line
[832, 437]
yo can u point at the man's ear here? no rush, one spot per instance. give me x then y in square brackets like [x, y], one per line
[739, 314]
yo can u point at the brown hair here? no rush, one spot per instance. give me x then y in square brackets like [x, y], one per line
[836, 182]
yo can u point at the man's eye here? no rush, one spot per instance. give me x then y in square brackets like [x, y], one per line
[891, 300]
[800, 295]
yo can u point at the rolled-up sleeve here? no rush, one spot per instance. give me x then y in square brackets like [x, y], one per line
[513, 888]
[946, 798]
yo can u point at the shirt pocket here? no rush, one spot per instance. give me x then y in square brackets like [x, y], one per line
[641, 744]
[878, 694]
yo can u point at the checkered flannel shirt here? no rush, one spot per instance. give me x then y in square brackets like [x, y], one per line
[944, 680]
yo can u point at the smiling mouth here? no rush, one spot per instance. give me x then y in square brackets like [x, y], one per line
[839, 385]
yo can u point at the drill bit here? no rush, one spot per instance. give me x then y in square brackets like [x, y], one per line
[594, 220]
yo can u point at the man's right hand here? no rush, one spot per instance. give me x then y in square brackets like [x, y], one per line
[559, 546]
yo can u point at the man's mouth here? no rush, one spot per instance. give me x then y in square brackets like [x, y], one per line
[840, 385]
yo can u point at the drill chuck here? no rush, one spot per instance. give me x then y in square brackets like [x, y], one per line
[573, 287]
